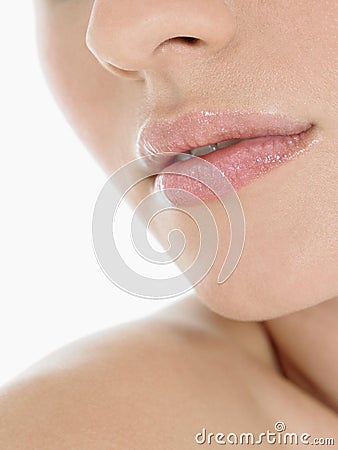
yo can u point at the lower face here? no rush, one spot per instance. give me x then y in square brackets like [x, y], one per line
[281, 61]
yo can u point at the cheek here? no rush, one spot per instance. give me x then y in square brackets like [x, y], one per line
[98, 105]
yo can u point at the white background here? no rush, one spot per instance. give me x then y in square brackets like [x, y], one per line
[52, 290]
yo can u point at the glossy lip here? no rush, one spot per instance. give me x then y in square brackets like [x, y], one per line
[272, 140]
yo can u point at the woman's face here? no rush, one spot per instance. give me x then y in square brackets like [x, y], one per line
[114, 65]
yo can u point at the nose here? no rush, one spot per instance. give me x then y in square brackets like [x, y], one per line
[132, 36]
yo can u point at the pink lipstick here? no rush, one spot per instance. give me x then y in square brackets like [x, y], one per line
[242, 146]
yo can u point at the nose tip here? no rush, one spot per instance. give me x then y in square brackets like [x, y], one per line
[135, 36]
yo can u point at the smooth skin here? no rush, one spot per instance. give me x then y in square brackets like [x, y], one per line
[154, 384]
[258, 349]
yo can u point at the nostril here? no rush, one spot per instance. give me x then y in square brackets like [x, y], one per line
[188, 39]
[180, 42]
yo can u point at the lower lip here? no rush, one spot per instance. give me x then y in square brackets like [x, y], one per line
[240, 164]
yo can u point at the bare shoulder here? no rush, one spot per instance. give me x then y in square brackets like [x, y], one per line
[124, 388]
[153, 384]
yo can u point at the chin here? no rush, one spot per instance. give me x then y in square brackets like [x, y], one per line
[251, 305]
[250, 295]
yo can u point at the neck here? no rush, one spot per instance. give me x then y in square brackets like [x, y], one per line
[306, 345]
[249, 337]
[301, 346]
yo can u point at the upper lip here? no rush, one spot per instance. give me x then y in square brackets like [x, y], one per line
[202, 128]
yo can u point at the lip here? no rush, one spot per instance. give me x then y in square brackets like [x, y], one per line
[270, 141]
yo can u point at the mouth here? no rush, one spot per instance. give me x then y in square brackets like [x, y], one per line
[206, 149]
[242, 146]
